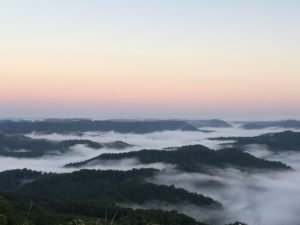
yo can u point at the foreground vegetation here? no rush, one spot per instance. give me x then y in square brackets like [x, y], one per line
[22, 210]
[91, 195]
[126, 187]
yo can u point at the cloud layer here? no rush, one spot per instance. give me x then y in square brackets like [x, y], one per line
[262, 198]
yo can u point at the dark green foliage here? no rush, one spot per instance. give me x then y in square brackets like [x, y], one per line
[22, 146]
[193, 158]
[127, 187]
[6, 212]
[66, 212]
[67, 126]
[90, 195]
[12, 180]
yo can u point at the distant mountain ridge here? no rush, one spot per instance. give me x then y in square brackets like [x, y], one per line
[81, 125]
[269, 124]
[214, 123]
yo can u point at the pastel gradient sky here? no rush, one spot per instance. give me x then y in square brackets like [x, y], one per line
[150, 58]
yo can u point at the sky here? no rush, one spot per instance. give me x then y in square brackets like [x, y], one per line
[150, 58]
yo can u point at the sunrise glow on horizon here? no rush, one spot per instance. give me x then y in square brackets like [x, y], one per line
[121, 59]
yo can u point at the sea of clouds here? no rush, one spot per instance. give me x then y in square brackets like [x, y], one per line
[259, 198]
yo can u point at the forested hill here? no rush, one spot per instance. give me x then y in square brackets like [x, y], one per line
[22, 146]
[193, 158]
[16, 209]
[96, 194]
[128, 187]
[283, 141]
[67, 126]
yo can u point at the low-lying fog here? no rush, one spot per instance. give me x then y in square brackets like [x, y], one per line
[256, 198]
[157, 140]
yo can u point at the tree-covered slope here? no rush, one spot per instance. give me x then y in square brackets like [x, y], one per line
[17, 209]
[94, 196]
[128, 187]
[283, 141]
[193, 158]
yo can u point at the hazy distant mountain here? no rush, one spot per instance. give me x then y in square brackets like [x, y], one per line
[268, 124]
[283, 141]
[68, 125]
[193, 158]
[22, 146]
[215, 123]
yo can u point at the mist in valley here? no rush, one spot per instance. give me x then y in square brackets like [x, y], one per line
[256, 197]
